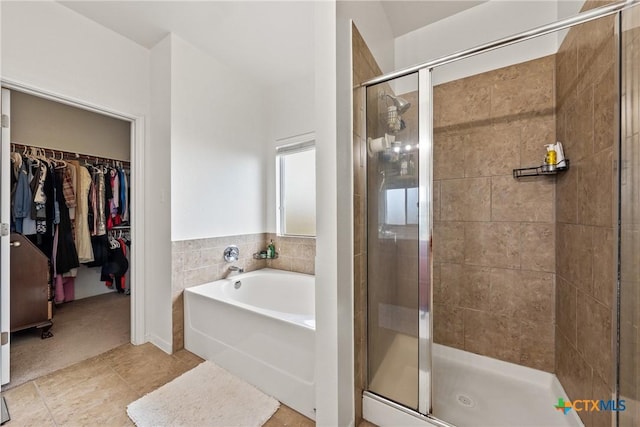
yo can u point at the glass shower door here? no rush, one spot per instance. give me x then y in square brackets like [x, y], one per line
[397, 359]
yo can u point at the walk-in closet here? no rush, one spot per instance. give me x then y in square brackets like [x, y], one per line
[70, 262]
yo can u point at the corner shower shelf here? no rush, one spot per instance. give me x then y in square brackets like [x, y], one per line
[258, 255]
[538, 171]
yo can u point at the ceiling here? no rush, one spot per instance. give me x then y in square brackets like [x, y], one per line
[233, 31]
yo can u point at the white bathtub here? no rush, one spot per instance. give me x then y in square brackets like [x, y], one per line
[259, 326]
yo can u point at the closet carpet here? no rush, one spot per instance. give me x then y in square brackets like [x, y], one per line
[81, 329]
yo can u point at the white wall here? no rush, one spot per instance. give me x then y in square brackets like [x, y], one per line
[48, 47]
[371, 20]
[218, 144]
[481, 24]
[291, 112]
[158, 309]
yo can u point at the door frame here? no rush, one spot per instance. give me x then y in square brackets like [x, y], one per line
[137, 150]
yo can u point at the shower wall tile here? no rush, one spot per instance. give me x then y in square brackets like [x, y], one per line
[448, 153]
[448, 286]
[535, 133]
[473, 103]
[475, 288]
[494, 236]
[466, 199]
[364, 68]
[594, 334]
[492, 150]
[567, 195]
[492, 244]
[448, 242]
[492, 335]
[578, 132]
[511, 98]
[448, 325]
[604, 111]
[574, 251]
[538, 246]
[604, 265]
[522, 200]
[595, 190]
[527, 295]
[535, 339]
[574, 373]
[566, 314]
[585, 243]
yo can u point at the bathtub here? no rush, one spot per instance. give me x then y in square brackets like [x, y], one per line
[260, 326]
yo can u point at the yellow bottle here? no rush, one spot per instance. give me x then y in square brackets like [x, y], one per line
[551, 158]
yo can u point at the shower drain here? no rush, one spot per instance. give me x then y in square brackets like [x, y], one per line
[465, 401]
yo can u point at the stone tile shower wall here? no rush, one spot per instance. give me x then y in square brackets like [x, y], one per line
[199, 261]
[494, 236]
[586, 102]
[364, 68]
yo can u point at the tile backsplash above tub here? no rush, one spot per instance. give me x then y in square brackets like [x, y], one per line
[199, 261]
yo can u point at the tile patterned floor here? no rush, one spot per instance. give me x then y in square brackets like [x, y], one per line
[98, 390]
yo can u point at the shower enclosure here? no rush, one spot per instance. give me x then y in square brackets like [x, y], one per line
[497, 292]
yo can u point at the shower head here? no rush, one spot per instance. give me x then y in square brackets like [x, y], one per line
[401, 104]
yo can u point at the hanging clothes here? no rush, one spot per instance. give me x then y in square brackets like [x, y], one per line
[83, 236]
[67, 255]
[114, 270]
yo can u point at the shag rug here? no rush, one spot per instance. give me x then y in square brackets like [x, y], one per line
[207, 395]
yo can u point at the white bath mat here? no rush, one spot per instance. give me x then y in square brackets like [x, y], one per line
[207, 395]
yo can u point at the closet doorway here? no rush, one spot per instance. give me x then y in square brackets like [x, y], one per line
[80, 161]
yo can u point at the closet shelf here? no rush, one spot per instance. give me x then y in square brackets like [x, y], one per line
[539, 170]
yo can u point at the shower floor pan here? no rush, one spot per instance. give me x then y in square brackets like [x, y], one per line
[470, 390]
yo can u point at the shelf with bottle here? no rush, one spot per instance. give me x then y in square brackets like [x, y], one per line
[542, 170]
[263, 255]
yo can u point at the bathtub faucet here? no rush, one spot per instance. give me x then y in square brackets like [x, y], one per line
[236, 268]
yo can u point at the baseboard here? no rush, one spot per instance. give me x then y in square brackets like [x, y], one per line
[163, 345]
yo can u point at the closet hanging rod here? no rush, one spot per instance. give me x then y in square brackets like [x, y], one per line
[70, 155]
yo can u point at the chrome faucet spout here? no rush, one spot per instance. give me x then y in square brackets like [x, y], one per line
[236, 268]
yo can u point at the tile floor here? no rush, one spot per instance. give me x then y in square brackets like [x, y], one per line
[98, 390]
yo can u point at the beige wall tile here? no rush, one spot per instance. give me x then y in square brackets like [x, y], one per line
[492, 335]
[448, 326]
[533, 92]
[567, 195]
[594, 334]
[495, 244]
[604, 97]
[537, 345]
[449, 287]
[492, 150]
[538, 246]
[604, 266]
[522, 200]
[448, 242]
[465, 199]
[536, 132]
[476, 283]
[574, 255]
[448, 155]
[572, 370]
[566, 305]
[523, 295]
[595, 190]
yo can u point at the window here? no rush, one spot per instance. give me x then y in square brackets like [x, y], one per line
[296, 188]
[401, 206]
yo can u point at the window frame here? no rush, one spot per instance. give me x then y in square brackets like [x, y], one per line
[293, 145]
